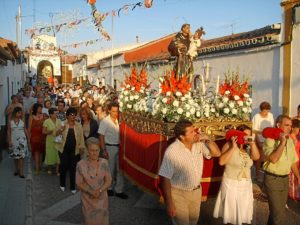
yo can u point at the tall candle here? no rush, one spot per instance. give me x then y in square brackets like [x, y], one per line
[203, 85]
[217, 87]
[207, 71]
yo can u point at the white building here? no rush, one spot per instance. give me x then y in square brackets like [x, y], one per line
[12, 77]
[44, 58]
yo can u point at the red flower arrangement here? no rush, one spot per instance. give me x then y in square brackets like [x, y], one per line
[173, 84]
[234, 86]
[136, 80]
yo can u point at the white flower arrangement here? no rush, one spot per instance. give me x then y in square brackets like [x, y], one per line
[233, 99]
[175, 102]
[175, 109]
[134, 93]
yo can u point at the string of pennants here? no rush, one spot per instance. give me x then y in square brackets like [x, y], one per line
[74, 45]
[97, 16]
[85, 43]
[33, 31]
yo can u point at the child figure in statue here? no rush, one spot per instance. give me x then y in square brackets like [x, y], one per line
[195, 43]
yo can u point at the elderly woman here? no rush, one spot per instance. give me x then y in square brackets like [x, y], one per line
[93, 179]
[235, 198]
[70, 148]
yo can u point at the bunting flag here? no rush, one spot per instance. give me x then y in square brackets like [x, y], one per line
[85, 43]
[97, 16]
[57, 28]
[98, 19]
[148, 3]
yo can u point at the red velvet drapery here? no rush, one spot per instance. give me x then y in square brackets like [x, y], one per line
[141, 155]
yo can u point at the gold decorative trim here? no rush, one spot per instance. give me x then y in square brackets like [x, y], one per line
[159, 152]
[140, 169]
[216, 127]
[210, 179]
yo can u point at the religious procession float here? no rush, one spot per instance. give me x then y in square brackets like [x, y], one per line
[147, 131]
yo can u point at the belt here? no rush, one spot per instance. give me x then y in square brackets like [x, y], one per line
[112, 144]
[275, 175]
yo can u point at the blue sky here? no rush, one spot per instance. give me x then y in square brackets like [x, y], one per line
[218, 17]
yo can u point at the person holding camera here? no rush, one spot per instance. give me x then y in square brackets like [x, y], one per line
[235, 198]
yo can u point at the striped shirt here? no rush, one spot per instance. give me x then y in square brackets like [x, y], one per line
[183, 166]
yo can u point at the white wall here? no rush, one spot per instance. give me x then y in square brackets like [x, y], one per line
[11, 80]
[54, 60]
[262, 64]
[295, 76]
[79, 69]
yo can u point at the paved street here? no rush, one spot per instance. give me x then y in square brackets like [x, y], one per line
[53, 207]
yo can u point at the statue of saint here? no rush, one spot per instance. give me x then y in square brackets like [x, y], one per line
[184, 46]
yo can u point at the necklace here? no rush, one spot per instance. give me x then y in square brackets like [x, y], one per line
[91, 170]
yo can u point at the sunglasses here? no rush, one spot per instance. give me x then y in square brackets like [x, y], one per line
[72, 114]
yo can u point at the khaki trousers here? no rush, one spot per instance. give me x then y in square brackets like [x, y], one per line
[187, 204]
[276, 189]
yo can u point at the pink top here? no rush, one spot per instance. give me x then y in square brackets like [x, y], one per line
[296, 140]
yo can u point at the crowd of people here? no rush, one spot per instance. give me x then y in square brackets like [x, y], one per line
[66, 130]
[76, 130]
[278, 152]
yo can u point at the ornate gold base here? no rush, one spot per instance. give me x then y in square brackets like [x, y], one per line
[215, 128]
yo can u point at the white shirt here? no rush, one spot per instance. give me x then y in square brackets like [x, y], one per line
[45, 111]
[27, 103]
[259, 123]
[110, 130]
[194, 45]
[183, 166]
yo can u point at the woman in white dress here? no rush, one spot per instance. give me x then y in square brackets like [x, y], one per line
[17, 140]
[235, 198]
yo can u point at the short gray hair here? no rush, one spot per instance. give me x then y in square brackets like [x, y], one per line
[92, 141]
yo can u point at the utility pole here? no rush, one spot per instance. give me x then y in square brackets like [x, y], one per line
[19, 37]
[18, 25]
[112, 50]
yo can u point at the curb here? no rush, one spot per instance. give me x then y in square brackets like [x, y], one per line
[29, 193]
